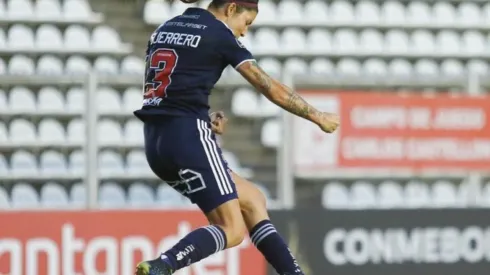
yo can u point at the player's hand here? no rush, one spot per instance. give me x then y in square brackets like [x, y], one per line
[218, 122]
[328, 122]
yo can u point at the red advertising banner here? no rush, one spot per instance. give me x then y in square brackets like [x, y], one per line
[108, 243]
[387, 130]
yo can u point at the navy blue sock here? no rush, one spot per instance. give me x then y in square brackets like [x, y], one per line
[196, 246]
[275, 250]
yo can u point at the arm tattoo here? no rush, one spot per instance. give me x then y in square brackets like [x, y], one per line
[297, 105]
[264, 81]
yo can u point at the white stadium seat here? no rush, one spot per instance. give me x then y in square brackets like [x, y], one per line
[444, 13]
[3, 10]
[316, 12]
[167, 196]
[426, 67]
[24, 196]
[132, 99]
[49, 65]
[137, 163]
[20, 37]
[349, 67]
[267, 108]
[75, 100]
[48, 37]
[397, 42]
[469, 14]
[50, 100]
[267, 14]
[290, 12]
[363, 195]
[77, 10]
[106, 65]
[133, 132]
[368, 12]
[345, 41]
[486, 14]
[4, 199]
[341, 12]
[105, 38]
[336, 196]
[133, 65]
[22, 132]
[109, 132]
[423, 42]
[78, 195]
[372, 41]
[48, 10]
[319, 41]
[3, 39]
[448, 42]
[110, 163]
[108, 101]
[3, 101]
[270, 135]
[400, 67]
[21, 65]
[76, 131]
[245, 103]
[77, 65]
[375, 67]
[53, 195]
[4, 167]
[271, 65]
[473, 42]
[393, 12]
[23, 163]
[295, 66]
[248, 41]
[3, 67]
[77, 38]
[52, 163]
[452, 67]
[140, 195]
[156, 12]
[22, 100]
[76, 163]
[20, 9]
[478, 67]
[111, 196]
[443, 194]
[293, 40]
[321, 66]
[51, 132]
[390, 195]
[418, 13]
[4, 138]
[267, 40]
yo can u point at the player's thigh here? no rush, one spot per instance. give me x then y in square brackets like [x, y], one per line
[253, 204]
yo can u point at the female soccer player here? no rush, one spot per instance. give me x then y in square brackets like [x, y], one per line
[185, 58]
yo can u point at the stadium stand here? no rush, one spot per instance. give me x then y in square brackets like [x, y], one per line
[42, 133]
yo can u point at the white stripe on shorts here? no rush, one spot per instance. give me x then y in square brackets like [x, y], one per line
[218, 176]
[214, 151]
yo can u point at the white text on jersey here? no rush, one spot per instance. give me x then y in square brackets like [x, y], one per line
[175, 38]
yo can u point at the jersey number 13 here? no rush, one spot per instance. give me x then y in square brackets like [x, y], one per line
[160, 67]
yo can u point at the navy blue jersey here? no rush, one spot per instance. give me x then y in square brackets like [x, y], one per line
[185, 58]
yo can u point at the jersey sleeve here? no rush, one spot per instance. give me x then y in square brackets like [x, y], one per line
[234, 52]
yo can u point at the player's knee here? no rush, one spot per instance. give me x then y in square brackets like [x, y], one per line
[253, 202]
[235, 234]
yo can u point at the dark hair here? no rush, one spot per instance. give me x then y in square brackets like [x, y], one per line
[241, 4]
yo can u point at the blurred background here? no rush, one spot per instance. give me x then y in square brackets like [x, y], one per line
[410, 80]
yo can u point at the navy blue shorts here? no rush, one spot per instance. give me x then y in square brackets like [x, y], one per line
[183, 152]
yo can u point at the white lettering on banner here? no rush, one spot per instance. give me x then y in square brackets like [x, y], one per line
[395, 246]
[119, 254]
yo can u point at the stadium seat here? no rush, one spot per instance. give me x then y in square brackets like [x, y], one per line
[75, 100]
[267, 108]
[267, 40]
[132, 65]
[140, 195]
[3, 38]
[105, 38]
[452, 67]
[3, 101]
[400, 67]
[345, 41]
[375, 67]
[22, 100]
[271, 65]
[137, 163]
[77, 65]
[3, 133]
[367, 12]
[48, 10]
[290, 12]
[349, 67]
[418, 13]
[3, 66]
[52, 163]
[336, 196]
[478, 67]
[106, 65]
[21, 65]
[393, 12]
[20, 9]
[486, 14]
[426, 67]
[363, 195]
[322, 66]
[53, 195]
[77, 10]
[177, 7]
[4, 168]
[245, 103]
[132, 99]
[20, 37]
[76, 131]
[270, 135]
[78, 195]
[133, 132]
[48, 37]
[417, 195]
[168, 197]
[24, 196]
[341, 12]
[76, 163]
[51, 132]
[444, 13]
[4, 199]
[77, 37]
[50, 100]
[372, 41]
[248, 41]
[23, 163]
[390, 195]
[316, 12]
[3, 10]
[49, 65]
[295, 66]
[108, 101]
[22, 132]
[397, 42]
[267, 14]
[423, 42]
[448, 42]
[443, 194]
[469, 14]
[110, 163]
[109, 132]
[111, 196]
[156, 12]
[319, 41]
[474, 43]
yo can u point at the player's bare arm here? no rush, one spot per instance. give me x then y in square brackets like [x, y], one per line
[286, 97]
